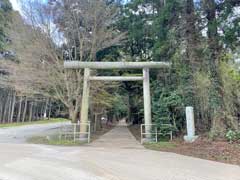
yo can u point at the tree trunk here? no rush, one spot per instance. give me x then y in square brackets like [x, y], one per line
[219, 123]
[95, 122]
[192, 60]
[73, 115]
[42, 106]
[99, 123]
[30, 112]
[128, 109]
[19, 109]
[25, 109]
[9, 108]
[6, 108]
[50, 109]
[1, 110]
[45, 109]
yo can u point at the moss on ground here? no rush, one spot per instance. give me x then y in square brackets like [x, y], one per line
[160, 145]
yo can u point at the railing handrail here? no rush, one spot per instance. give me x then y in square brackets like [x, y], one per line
[156, 132]
[74, 133]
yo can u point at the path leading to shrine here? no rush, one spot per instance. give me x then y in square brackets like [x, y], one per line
[114, 156]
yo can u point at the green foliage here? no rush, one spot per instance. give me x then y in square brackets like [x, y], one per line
[167, 108]
[5, 8]
[119, 106]
[165, 129]
[160, 146]
[201, 90]
[231, 86]
[233, 136]
[5, 5]
[229, 22]
[164, 30]
[53, 140]
[139, 41]
[183, 76]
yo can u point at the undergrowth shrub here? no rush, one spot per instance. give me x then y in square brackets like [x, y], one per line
[233, 136]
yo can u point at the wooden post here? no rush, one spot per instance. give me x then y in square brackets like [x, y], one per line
[85, 102]
[147, 101]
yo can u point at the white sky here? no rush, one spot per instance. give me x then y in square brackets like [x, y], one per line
[16, 5]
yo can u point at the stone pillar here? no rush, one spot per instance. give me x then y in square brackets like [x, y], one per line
[190, 137]
[85, 102]
[147, 101]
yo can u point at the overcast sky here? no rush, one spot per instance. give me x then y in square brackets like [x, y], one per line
[16, 5]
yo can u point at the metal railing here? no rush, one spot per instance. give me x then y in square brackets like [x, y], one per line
[153, 132]
[74, 133]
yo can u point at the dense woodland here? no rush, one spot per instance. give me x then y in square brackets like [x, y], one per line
[200, 38]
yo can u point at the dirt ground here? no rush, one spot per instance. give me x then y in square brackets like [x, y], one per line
[219, 150]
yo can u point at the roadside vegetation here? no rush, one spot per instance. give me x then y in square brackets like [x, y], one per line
[221, 149]
[53, 140]
[218, 150]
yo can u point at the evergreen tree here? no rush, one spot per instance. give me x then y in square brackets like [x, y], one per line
[5, 8]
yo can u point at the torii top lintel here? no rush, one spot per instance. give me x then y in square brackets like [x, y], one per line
[114, 65]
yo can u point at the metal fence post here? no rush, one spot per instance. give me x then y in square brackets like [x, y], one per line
[89, 132]
[156, 133]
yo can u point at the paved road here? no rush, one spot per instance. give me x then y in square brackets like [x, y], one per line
[115, 156]
[21, 133]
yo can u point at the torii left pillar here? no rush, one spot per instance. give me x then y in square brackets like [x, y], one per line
[147, 101]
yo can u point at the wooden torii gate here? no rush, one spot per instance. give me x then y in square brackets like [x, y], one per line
[87, 66]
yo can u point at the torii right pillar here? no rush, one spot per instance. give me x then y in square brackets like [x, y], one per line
[147, 102]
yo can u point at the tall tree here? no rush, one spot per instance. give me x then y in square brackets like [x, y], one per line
[41, 56]
[216, 12]
[5, 9]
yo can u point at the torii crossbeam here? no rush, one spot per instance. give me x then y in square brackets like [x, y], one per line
[87, 66]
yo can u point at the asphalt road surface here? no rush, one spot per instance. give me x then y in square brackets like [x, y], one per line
[115, 156]
[21, 133]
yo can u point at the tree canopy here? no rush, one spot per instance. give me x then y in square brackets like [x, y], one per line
[5, 8]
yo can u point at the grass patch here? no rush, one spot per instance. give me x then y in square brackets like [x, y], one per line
[53, 141]
[47, 121]
[160, 145]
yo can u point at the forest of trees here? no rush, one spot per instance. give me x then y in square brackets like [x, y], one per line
[200, 38]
